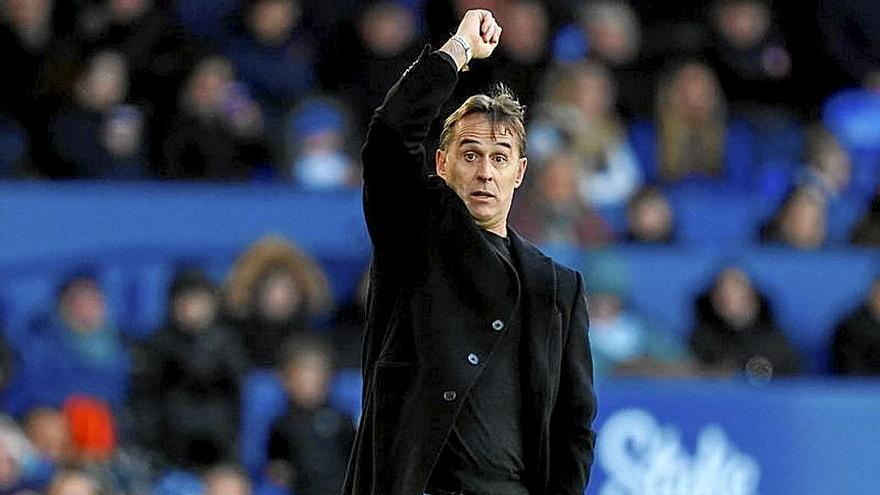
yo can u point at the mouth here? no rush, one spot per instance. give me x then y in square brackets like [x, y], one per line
[482, 195]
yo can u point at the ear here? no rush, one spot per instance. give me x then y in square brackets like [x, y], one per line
[521, 171]
[440, 162]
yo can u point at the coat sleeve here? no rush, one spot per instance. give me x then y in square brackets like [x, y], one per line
[394, 156]
[571, 436]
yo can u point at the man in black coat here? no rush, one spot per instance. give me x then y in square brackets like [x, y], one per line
[476, 362]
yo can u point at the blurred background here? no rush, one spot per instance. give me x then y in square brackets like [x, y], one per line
[182, 246]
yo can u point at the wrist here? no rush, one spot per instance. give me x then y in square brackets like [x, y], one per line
[465, 45]
[459, 50]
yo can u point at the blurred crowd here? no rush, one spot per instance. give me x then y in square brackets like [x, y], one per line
[626, 99]
[629, 102]
[95, 404]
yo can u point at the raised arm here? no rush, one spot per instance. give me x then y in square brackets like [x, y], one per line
[394, 156]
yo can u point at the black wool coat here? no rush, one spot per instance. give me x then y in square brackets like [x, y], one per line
[439, 302]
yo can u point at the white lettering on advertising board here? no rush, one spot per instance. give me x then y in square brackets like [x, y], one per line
[642, 457]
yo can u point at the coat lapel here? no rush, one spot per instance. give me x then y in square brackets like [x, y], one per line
[539, 318]
[538, 291]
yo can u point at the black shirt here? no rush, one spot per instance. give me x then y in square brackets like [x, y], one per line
[484, 451]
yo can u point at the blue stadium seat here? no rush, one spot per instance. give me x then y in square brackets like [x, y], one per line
[664, 281]
[262, 402]
[853, 116]
[811, 291]
[704, 217]
[177, 482]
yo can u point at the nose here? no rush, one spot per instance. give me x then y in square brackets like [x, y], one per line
[485, 170]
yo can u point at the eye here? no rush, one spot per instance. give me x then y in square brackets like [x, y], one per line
[470, 156]
[500, 159]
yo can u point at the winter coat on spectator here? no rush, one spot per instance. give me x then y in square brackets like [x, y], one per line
[855, 349]
[305, 288]
[186, 394]
[78, 142]
[279, 76]
[199, 148]
[155, 48]
[716, 343]
[315, 444]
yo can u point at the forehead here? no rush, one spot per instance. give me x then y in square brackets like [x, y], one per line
[477, 127]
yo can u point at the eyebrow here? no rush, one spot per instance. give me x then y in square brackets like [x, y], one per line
[497, 143]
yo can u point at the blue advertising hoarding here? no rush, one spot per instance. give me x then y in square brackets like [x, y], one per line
[815, 437]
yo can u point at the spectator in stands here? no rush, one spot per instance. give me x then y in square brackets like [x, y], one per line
[272, 55]
[218, 131]
[692, 140]
[75, 348]
[523, 58]
[152, 42]
[226, 479]
[800, 222]
[187, 381]
[272, 293]
[97, 447]
[650, 218]
[309, 445]
[27, 35]
[92, 430]
[276, 59]
[608, 171]
[552, 212]
[855, 348]
[735, 331]
[74, 482]
[101, 136]
[867, 230]
[49, 432]
[376, 51]
[827, 165]
[317, 140]
[749, 55]
[610, 31]
[622, 341]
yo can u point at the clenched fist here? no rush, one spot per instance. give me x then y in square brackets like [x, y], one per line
[481, 30]
[477, 36]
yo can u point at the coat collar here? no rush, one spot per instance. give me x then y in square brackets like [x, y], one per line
[537, 274]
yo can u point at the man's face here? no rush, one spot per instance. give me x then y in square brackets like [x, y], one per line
[483, 167]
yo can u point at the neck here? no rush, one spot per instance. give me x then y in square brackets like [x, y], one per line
[500, 230]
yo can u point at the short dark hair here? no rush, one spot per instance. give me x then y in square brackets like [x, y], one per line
[501, 108]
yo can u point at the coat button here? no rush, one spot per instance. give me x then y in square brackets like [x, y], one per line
[473, 359]
[449, 395]
[497, 325]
